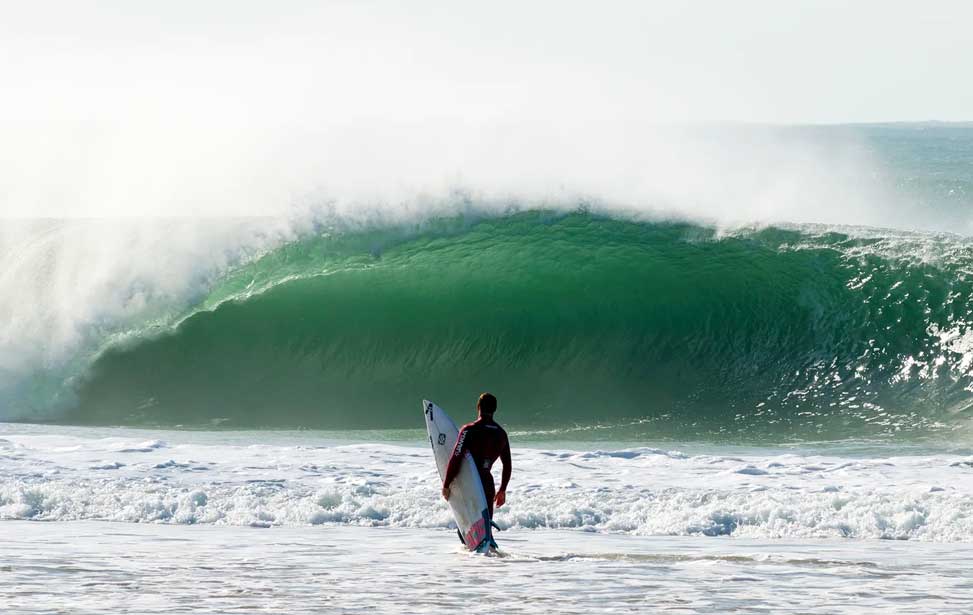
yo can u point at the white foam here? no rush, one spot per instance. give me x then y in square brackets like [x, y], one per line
[221, 480]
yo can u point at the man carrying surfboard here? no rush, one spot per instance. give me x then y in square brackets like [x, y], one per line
[486, 441]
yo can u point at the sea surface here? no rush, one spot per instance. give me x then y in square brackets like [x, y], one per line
[128, 520]
[98, 567]
[706, 417]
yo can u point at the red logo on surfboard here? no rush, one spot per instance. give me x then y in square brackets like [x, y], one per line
[476, 534]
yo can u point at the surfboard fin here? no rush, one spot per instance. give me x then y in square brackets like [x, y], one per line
[487, 546]
[495, 525]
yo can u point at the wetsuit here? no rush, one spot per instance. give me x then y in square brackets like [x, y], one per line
[486, 441]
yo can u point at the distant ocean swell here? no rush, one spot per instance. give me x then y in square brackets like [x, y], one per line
[572, 320]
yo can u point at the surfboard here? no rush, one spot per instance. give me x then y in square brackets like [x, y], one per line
[467, 499]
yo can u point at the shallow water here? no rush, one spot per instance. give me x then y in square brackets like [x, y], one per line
[99, 567]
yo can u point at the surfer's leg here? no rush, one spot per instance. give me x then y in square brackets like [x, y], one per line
[489, 489]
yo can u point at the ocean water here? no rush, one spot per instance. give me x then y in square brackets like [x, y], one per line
[706, 417]
[98, 567]
[127, 520]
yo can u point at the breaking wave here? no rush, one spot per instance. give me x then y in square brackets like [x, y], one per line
[575, 320]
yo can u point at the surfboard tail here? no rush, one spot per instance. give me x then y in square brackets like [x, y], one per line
[479, 538]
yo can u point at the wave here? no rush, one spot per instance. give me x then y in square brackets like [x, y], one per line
[575, 320]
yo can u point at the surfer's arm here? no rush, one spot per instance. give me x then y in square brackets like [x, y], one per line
[501, 497]
[507, 468]
[455, 460]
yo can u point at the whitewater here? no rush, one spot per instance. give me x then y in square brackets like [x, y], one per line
[711, 408]
[304, 479]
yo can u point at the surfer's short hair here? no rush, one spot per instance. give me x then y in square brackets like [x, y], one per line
[487, 404]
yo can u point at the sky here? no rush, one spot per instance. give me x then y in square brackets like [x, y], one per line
[753, 61]
[201, 102]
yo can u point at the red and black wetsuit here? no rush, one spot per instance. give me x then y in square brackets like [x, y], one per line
[486, 441]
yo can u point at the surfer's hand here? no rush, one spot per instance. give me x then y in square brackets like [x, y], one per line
[445, 493]
[501, 498]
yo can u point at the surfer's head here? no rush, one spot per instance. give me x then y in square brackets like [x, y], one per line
[486, 405]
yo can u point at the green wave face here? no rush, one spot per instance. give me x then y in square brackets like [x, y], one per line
[575, 322]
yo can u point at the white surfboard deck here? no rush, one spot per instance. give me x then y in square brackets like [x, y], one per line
[466, 496]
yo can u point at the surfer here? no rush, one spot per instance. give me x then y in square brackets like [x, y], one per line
[486, 441]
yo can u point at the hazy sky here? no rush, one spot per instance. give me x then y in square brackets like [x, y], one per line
[760, 61]
[181, 101]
